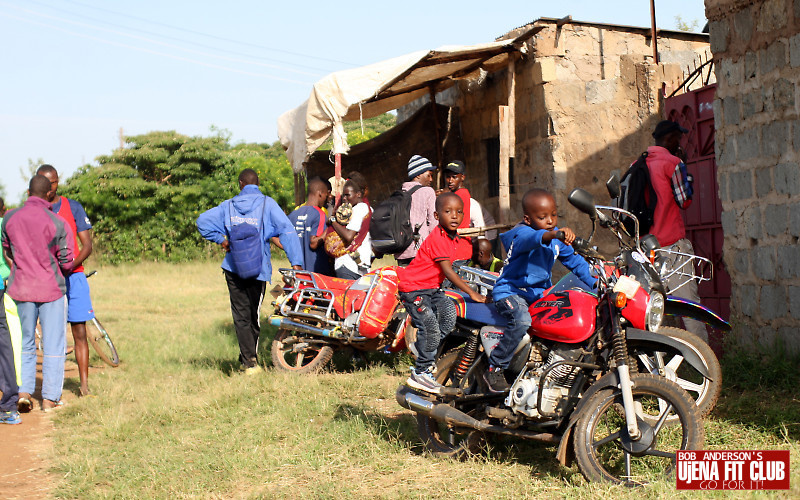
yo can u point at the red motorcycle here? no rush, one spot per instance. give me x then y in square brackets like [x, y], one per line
[317, 315]
[575, 382]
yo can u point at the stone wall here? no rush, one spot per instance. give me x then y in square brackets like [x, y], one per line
[756, 49]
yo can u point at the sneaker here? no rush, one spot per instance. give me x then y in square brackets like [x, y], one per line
[10, 417]
[253, 370]
[424, 381]
[496, 380]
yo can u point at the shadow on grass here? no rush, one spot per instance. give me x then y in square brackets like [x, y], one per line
[401, 428]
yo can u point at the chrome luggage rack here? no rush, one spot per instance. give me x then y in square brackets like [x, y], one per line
[482, 281]
[693, 267]
[312, 302]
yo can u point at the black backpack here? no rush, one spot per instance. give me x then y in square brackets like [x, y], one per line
[637, 196]
[390, 226]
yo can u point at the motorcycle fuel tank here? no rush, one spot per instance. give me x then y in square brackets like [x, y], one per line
[569, 316]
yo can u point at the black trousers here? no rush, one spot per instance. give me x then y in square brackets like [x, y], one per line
[8, 374]
[246, 297]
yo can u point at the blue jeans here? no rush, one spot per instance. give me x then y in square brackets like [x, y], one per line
[53, 318]
[515, 310]
[433, 314]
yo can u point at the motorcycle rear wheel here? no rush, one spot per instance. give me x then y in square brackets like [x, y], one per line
[439, 438]
[668, 362]
[601, 434]
[312, 358]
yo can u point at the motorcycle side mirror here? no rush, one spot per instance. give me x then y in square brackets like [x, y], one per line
[648, 243]
[613, 186]
[583, 201]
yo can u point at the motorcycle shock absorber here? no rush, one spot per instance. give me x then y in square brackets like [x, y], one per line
[467, 357]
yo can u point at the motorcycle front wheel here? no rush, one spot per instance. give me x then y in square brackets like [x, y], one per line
[300, 356]
[668, 362]
[439, 438]
[604, 450]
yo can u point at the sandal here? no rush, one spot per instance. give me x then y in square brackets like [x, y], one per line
[56, 405]
[24, 404]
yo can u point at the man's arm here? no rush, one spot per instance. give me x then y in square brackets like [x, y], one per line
[211, 225]
[449, 273]
[64, 247]
[286, 233]
[85, 238]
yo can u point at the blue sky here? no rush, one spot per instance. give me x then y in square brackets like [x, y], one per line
[76, 71]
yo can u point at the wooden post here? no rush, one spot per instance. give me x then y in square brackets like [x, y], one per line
[505, 192]
[299, 195]
[438, 138]
[512, 107]
[337, 172]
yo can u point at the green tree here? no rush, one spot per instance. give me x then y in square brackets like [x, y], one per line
[686, 26]
[372, 127]
[143, 199]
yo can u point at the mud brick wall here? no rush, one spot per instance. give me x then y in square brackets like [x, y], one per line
[756, 49]
[587, 99]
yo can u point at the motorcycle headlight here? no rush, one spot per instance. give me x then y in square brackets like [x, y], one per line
[654, 314]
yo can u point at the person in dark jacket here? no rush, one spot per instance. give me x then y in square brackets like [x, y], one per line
[251, 207]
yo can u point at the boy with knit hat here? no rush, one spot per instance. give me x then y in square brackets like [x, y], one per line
[423, 205]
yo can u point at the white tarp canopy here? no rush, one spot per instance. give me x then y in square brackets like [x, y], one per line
[371, 90]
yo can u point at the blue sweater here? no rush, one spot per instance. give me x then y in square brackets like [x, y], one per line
[529, 265]
[214, 225]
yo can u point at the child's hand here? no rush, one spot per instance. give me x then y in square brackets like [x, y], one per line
[569, 236]
[476, 297]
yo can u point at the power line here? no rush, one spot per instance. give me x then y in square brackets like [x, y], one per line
[149, 51]
[215, 37]
[183, 40]
[169, 45]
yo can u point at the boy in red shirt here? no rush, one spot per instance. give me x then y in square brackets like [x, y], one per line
[432, 313]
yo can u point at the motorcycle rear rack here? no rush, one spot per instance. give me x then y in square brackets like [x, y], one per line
[693, 267]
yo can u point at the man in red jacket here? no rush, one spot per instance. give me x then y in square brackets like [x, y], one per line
[673, 187]
[79, 302]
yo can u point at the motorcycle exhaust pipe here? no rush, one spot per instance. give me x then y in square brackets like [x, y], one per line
[408, 399]
[284, 322]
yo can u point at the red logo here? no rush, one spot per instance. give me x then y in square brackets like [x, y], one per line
[732, 470]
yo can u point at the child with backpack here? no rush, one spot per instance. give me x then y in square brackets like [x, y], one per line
[431, 311]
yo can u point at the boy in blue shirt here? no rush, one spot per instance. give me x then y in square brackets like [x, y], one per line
[532, 249]
[309, 222]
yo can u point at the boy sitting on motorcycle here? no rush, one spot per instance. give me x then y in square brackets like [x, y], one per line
[533, 246]
[431, 311]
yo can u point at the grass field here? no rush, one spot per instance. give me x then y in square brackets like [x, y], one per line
[176, 419]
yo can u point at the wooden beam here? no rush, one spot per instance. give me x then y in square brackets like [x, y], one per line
[653, 31]
[437, 133]
[512, 108]
[504, 188]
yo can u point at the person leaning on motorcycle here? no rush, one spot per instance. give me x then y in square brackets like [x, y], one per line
[527, 272]
[673, 187]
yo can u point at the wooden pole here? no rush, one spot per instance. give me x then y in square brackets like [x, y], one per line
[512, 108]
[437, 134]
[505, 193]
[338, 174]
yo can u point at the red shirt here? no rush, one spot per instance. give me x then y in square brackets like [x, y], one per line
[424, 272]
[667, 221]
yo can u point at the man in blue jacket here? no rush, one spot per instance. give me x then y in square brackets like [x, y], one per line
[246, 293]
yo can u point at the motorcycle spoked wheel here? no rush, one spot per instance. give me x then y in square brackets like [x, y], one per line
[655, 359]
[604, 451]
[311, 359]
[439, 438]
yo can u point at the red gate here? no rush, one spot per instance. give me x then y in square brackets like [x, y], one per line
[694, 111]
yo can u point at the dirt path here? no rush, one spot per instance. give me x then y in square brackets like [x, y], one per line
[27, 448]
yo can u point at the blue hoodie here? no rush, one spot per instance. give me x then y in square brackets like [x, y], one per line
[528, 268]
[214, 225]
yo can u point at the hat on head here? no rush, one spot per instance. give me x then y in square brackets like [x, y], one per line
[418, 165]
[667, 127]
[457, 167]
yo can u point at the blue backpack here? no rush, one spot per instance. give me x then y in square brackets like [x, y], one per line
[245, 246]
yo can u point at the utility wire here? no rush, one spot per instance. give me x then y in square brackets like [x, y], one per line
[169, 45]
[215, 37]
[318, 71]
[149, 51]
